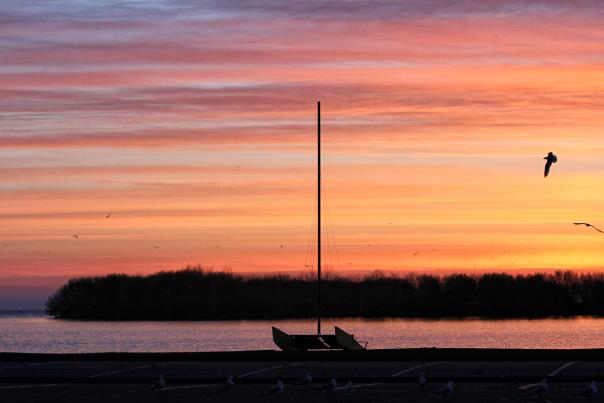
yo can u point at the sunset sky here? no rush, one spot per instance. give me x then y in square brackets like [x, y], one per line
[194, 123]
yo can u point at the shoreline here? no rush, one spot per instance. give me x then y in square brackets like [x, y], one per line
[414, 354]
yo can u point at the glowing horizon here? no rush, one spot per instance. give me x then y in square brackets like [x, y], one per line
[194, 124]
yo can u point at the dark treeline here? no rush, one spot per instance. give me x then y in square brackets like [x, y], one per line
[199, 294]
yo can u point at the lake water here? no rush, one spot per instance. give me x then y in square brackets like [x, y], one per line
[33, 332]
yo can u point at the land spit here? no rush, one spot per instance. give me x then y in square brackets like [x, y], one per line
[377, 375]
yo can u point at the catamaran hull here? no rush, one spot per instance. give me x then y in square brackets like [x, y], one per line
[338, 341]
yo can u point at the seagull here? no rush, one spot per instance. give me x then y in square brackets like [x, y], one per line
[307, 380]
[160, 384]
[551, 158]
[275, 390]
[349, 390]
[588, 225]
[227, 386]
[331, 386]
[156, 247]
[589, 391]
[75, 236]
[445, 390]
[422, 380]
[108, 215]
[541, 388]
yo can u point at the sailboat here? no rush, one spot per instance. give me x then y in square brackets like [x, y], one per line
[340, 340]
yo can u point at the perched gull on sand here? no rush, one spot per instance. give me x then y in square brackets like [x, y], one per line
[228, 385]
[588, 225]
[422, 380]
[307, 380]
[541, 388]
[445, 390]
[591, 390]
[330, 386]
[160, 384]
[275, 390]
[349, 390]
[551, 159]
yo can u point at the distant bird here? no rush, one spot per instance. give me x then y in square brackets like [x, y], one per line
[589, 391]
[156, 247]
[541, 388]
[275, 390]
[75, 236]
[330, 386]
[281, 246]
[228, 385]
[307, 380]
[588, 225]
[445, 390]
[422, 380]
[551, 159]
[108, 215]
[349, 390]
[160, 384]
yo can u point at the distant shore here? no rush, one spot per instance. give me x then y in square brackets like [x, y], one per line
[195, 294]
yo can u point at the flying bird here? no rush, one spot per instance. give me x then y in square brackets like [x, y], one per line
[275, 390]
[160, 384]
[589, 391]
[228, 385]
[108, 215]
[551, 159]
[75, 236]
[445, 390]
[588, 225]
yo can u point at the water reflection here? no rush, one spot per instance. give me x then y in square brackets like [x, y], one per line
[42, 334]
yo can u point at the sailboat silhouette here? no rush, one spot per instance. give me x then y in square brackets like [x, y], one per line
[341, 340]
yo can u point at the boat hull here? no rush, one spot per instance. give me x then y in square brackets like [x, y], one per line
[341, 340]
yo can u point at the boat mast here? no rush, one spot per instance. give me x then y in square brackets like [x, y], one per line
[318, 217]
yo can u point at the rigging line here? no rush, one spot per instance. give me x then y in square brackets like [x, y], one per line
[333, 236]
[329, 246]
[310, 235]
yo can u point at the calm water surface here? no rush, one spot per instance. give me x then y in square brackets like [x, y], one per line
[35, 333]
